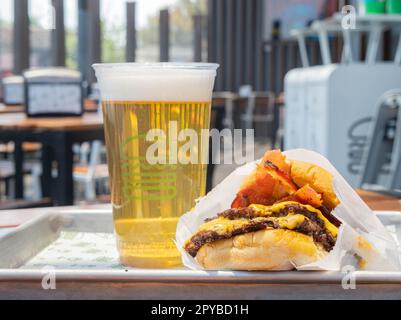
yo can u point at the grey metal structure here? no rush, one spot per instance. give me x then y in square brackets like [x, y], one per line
[197, 22]
[257, 54]
[58, 35]
[164, 36]
[211, 37]
[239, 48]
[229, 38]
[95, 48]
[89, 37]
[396, 185]
[83, 36]
[235, 42]
[131, 32]
[383, 155]
[21, 36]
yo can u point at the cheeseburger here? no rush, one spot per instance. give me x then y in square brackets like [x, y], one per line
[280, 218]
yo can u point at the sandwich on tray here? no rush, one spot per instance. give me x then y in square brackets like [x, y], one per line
[281, 217]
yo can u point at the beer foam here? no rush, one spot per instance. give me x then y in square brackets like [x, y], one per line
[156, 82]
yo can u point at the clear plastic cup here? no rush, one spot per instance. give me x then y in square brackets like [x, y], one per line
[154, 177]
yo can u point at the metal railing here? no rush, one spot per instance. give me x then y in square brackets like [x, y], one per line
[280, 56]
[89, 35]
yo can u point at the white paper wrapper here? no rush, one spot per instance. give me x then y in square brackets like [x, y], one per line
[359, 222]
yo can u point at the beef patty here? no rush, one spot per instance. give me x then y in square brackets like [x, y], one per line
[312, 226]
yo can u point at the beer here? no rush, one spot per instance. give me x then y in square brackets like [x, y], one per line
[149, 196]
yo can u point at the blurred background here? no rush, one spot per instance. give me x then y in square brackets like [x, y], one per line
[318, 74]
[42, 33]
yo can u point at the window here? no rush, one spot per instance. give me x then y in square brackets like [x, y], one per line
[182, 29]
[181, 14]
[41, 14]
[113, 25]
[71, 33]
[6, 37]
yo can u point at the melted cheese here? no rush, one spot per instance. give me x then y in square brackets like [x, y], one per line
[223, 225]
[269, 210]
[290, 222]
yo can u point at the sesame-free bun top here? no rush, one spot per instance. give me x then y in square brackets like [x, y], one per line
[319, 179]
[153, 82]
[276, 178]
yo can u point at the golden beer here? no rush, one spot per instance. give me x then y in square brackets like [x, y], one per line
[149, 196]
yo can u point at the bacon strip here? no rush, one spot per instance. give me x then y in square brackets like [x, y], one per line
[271, 182]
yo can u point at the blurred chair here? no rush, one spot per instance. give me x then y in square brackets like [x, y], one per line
[7, 175]
[278, 141]
[31, 168]
[244, 93]
[229, 99]
[257, 113]
[87, 173]
[382, 157]
[266, 115]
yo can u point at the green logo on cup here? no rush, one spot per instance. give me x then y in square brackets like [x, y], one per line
[142, 180]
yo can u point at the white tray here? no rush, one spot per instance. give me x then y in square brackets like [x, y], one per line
[87, 266]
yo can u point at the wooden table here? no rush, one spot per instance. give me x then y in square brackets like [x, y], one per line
[89, 106]
[4, 109]
[57, 136]
[378, 201]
